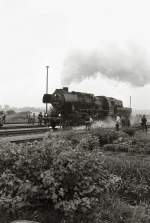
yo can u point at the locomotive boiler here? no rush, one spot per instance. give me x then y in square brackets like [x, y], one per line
[76, 107]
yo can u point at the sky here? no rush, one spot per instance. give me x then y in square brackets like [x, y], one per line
[65, 34]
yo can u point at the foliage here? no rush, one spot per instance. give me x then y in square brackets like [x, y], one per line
[106, 136]
[10, 112]
[134, 174]
[70, 176]
[130, 131]
[116, 147]
[71, 180]
[16, 117]
[73, 137]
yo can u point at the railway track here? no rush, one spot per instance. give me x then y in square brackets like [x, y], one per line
[28, 133]
[20, 126]
[26, 139]
[22, 131]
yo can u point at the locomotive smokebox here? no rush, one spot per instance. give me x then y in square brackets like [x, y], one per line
[47, 98]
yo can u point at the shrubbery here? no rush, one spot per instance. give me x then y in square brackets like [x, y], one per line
[130, 131]
[105, 136]
[134, 173]
[116, 147]
[53, 173]
[68, 176]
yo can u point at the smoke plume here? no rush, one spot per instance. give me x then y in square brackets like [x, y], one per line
[126, 64]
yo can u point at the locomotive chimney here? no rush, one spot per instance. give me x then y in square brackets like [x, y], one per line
[65, 89]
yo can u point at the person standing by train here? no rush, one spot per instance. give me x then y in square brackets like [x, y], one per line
[40, 118]
[123, 121]
[144, 123]
[60, 120]
[88, 123]
[45, 118]
[118, 121]
[33, 119]
[4, 117]
[29, 117]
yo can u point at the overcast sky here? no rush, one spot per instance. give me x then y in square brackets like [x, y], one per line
[36, 33]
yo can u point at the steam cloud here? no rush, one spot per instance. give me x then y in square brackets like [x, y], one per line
[126, 64]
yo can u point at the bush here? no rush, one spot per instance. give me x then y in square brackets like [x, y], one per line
[88, 142]
[73, 137]
[134, 174]
[17, 117]
[10, 112]
[53, 174]
[130, 131]
[68, 177]
[116, 147]
[106, 136]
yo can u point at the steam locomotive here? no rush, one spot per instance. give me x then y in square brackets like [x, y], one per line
[75, 107]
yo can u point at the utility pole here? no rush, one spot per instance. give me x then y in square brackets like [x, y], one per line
[47, 85]
[130, 102]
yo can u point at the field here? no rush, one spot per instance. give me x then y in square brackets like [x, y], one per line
[19, 117]
[99, 176]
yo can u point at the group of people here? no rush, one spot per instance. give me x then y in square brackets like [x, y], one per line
[125, 122]
[122, 122]
[31, 117]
